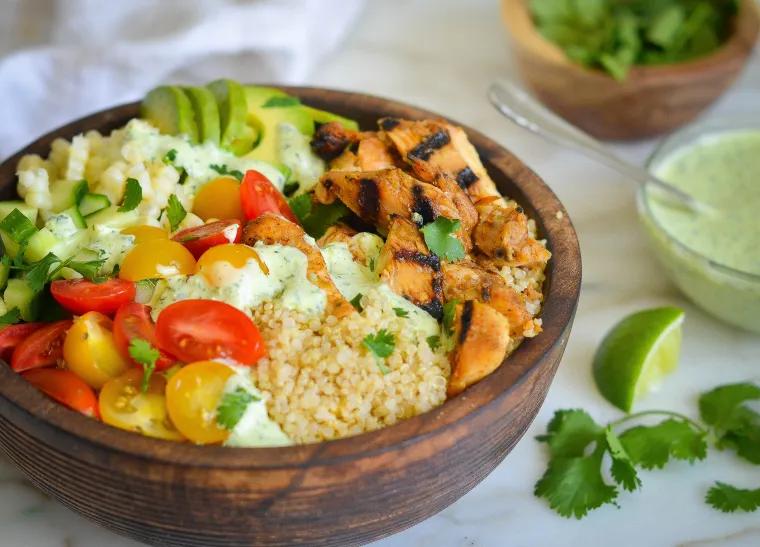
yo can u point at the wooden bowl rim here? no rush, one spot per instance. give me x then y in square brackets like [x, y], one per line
[563, 277]
[520, 26]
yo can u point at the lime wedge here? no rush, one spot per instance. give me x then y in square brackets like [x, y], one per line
[637, 354]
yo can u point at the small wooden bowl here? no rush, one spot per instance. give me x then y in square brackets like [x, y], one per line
[345, 492]
[652, 101]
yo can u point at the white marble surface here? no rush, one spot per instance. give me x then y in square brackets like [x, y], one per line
[442, 55]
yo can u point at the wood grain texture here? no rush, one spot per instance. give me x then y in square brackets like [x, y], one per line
[653, 100]
[339, 493]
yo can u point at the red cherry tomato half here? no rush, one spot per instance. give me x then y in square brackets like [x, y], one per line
[204, 330]
[259, 196]
[65, 387]
[42, 348]
[83, 295]
[200, 239]
[133, 321]
[12, 335]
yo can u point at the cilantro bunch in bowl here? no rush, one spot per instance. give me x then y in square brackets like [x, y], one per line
[615, 34]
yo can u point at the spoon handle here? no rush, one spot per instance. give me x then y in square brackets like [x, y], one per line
[528, 113]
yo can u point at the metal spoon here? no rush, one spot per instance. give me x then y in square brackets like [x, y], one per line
[529, 114]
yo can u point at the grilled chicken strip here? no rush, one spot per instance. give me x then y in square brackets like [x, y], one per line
[502, 234]
[376, 195]
[445, 147]
[428, 173]
[409, 268]
[271, 229]
[348, 150]
[481, 336]
[467, 281]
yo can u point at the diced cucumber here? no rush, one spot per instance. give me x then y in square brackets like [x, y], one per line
[75, 215]
[67, 193]
[44, 242]
[5, 272]
[7, 206]
[10, 247]
[145, 289]
[18, 294]
[18, 227]
[92, 203]
[113, 218]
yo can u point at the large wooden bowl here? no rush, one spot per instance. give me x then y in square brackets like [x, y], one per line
[345, 492]
[653, 100]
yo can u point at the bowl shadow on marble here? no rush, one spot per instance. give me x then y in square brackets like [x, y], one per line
[339, 493]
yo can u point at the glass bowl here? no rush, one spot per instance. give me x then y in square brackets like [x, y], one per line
[729, 294]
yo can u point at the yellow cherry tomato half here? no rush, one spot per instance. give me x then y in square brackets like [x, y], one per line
[220, 198]
[145, 233]
[192, 396]
[90, 351]
[237, 255]
[123, 404]
[157, 258]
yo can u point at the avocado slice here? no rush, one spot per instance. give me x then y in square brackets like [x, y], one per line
[169, 109]
[265, 116]
[244, 144]
[206, 113]
[230, 99]
[322, 116]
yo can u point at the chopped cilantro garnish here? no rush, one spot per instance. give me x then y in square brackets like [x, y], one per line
[381, 345]
[439, 239]
[144, 353]
[132, 196]
[401, 312]
[224, 171]
[175, 212]
[233, 406]
[356, 302]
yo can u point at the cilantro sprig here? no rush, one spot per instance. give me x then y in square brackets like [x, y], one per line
[232, 407]
[381, 345]
[439, 238]
[574, 482]
[41, 272]
[145, 354]
[132, 196]
[175, 212]
[225, 171]
[316, 218]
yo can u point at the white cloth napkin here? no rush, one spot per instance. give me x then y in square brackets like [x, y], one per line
[67, 58]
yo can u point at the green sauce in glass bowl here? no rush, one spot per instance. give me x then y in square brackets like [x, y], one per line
[714, 258]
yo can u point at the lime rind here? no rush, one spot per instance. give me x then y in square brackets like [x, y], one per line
[637, 354]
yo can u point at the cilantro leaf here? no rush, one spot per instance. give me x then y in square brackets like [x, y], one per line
[449, 314]
[622, 470]
[170, 156]
[88, 269]
[381, 345]
[224, 171]
[574, 486]
[735, 425]
[570, 432]
[727, 498]
[356, 302]
[401, 312]
[232, 407]
[301, 206]
[434, 341]
[175, 212]
[281, 102]
[321, 217]
[144, 353]
[11, 317]
[42, 271]
[132, 196]
[652, 446]
[440, 241]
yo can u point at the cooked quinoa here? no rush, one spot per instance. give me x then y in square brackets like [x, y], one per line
[320, 382]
